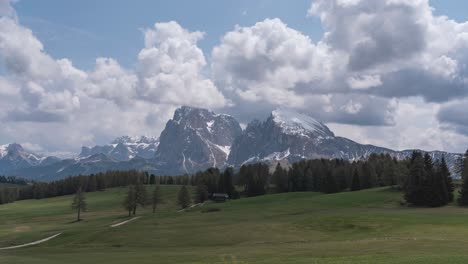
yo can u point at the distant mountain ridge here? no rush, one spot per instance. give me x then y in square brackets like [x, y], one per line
[125, 148]
[293, 136]
[196, 139]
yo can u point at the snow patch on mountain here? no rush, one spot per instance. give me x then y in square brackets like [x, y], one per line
[296, 123]
[124, 148]
[3, 150]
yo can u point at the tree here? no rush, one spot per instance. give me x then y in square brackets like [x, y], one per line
[415, 189]
[463, 199]
[280, 179]
[228, 179]
[183, 198]
[152, 179]
[445, 174]
[79, 203]
[330, 185]
[129, 202]
[201, 193]
[355, 182]
[141, 196]
[156, 197]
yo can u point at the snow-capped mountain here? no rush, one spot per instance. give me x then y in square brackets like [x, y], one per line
[124, 148]
[14, 156]
[294, 136]
[195, 139]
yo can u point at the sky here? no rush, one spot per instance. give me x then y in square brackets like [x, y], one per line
[387, 72]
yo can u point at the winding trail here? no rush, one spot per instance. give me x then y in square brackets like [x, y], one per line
[124, 222]
[32, 243]
[192, 206]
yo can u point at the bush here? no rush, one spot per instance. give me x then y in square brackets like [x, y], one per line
[211, 210]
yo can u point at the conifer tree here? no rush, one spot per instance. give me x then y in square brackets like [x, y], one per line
[355, 182]
[79, 203]
[156, 197]
[445, 174]
[415, 190]
[330, 185]
[280, 179]
[152, 179]
[228, 176]
[183, 198]
[201, 193]
[141, 196]
[463, 169]
[129, 202]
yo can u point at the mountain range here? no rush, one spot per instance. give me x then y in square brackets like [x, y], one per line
[196, 139]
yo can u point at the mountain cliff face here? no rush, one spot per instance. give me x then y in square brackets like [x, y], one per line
[195, 139]
[293, 136]
[14, 156]
[125, 148]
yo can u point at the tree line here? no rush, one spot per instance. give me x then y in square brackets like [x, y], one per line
[425, 182]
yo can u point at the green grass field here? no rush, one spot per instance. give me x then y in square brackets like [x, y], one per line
[360, 227]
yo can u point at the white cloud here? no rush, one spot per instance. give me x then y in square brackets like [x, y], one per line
[60, 107]
[371, 74]
[170, 66]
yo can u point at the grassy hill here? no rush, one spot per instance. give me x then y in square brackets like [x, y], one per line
[360, 227]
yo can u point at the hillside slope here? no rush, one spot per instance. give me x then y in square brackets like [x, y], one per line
[359, 227]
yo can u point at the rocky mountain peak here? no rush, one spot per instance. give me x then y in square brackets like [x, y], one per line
[296, 123]
[196, 138]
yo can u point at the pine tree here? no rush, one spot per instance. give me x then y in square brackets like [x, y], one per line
[445, 174]
[141, 196]
[152, 179]
[129, 202]
[229, 181]
[330, 185]
[437, 194]
[79, 203]
[415, 190]
[201, 193]
[280, 179]
[183, 198]
[463, 169]
[355, 182]
[156, 197]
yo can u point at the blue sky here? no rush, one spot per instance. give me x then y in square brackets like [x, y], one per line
[82, 30]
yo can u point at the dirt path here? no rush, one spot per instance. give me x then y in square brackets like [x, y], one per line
[192, 206]
[124, 222]
[32, 243]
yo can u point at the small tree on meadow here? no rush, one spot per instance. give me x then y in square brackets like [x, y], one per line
[201, 193]
[183, 198]
[141, 196]
[129, 202]
[79, 203]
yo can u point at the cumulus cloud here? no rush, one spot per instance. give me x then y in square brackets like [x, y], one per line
[455, 116]
[411, 51]
[170, 66]
[376, 60]
[272, 65]
[40, 94]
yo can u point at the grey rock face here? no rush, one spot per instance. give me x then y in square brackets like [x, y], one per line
[125, 148]
[293, 136]
[14, 156]
[195, 139]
